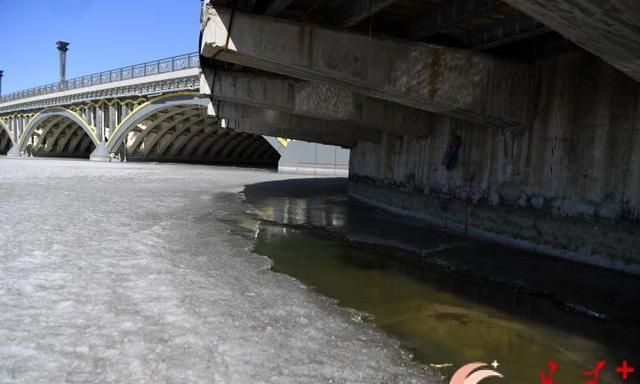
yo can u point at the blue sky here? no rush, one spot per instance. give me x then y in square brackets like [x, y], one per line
[104, 34]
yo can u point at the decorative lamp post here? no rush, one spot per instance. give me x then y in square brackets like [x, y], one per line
[63, 47]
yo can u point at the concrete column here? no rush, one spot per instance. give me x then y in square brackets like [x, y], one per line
[100, 153]
[125, 112]
[99, 123]
[21, 126]
[12, 126]
[112, 121]
[14, 151]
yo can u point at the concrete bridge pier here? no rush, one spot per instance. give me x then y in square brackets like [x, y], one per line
[101, 153]
[14, 152]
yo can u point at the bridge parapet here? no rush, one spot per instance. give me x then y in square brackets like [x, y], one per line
[151, 111]
[174, 82]
[153, 68]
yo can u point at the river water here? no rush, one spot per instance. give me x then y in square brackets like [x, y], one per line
[450, 300]
[179, 273]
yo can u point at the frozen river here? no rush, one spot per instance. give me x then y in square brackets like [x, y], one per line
[123, 273]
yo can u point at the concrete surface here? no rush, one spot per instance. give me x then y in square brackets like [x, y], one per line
[570, 185]
[432, 78]
[609, 29]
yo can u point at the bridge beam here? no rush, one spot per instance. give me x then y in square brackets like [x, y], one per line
[353, 12]
[437, 79]
[316, 100]
[609, 29]
[445, 15]
[283, 124]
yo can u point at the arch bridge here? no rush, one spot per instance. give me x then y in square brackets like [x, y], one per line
[152, 111]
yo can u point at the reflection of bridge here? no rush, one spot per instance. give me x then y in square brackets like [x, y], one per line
[149, 111]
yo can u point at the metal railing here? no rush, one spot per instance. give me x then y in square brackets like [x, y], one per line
[171, 64]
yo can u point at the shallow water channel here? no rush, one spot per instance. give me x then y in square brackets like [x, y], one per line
[448, 299]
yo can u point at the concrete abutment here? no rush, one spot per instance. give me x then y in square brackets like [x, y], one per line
[568, 186]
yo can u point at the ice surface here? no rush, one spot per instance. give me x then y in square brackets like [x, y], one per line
[121, 273]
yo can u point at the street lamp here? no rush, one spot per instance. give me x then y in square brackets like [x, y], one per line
[63, 47]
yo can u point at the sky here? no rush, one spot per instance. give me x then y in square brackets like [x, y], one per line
[104, 34]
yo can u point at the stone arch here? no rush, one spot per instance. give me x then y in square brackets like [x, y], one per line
[6, 129]
[76, 123]
[150, 108]
[176, 127]
[6, 138]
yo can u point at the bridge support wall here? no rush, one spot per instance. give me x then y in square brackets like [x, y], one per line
[569, 185]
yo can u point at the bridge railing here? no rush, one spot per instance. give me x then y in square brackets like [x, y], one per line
[170, 64]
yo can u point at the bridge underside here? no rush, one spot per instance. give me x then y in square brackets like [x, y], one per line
[58, 136]
[173, 127]
[507, 120]
[5, 142]
[188, 134]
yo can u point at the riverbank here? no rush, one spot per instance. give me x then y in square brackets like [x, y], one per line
[447, 298]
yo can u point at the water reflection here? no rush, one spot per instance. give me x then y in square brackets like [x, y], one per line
[450, 300]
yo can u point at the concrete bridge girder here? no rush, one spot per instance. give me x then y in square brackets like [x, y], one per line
[83, 144]
[65, 139]
[436, 79]
[50, 143]
[202, 148]
[164, 145]
[46, 130]
[150, 142]
[225, 139]
[177, 137]
[75, 143]
[182, 139]
[255, 148]
[291, 125]
[192, 146]
[154, 120]
[316, 100]
[608, 29]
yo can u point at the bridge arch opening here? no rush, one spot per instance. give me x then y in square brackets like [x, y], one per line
[6, 141]
[177, 128]
[58, 132]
